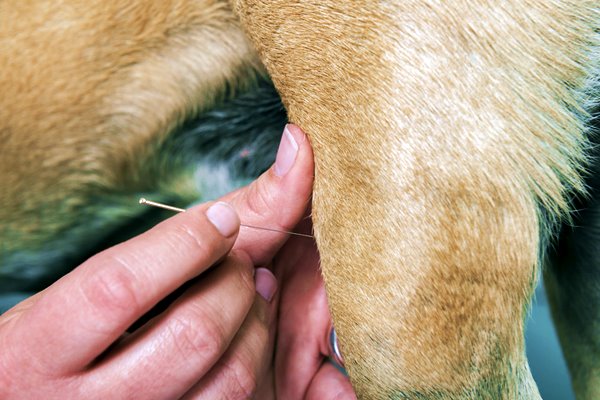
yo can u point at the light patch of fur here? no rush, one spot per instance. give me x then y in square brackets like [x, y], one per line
[439, 130]
[214, 181]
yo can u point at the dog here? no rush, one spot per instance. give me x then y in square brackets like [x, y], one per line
[454, 147]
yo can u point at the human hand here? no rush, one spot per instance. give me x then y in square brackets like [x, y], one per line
[214, 341]
[302, 366]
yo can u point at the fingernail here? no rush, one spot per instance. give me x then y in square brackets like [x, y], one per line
[224, 218]
[286, 155]
[265, 283]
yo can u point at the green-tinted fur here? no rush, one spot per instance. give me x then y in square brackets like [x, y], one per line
[239, 136]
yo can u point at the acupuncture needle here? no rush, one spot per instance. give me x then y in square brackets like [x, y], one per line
[177, 209]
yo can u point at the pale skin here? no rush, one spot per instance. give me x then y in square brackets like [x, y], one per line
[217, 339]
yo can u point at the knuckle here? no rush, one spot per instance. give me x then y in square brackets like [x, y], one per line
[190, 237]
[193, 239]
[192, 333]
[241, 378]
[245, 367]
[260, 201]
[111, 289]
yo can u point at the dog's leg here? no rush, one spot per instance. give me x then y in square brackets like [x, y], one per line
[443, 134]
[573, 284]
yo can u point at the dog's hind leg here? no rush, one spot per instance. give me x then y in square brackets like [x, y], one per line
[443, 134]
[573, 284]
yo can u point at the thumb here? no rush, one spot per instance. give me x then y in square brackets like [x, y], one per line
[277, 199]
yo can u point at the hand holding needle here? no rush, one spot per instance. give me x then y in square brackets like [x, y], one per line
[177, 209]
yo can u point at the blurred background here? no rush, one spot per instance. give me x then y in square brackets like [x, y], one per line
[543, 350]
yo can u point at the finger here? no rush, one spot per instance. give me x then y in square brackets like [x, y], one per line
[239, 372]
[277, 199]
[266, 389]
[21, 307]
[96, 302]
[330, 383]
[168, 355]
[301, 347]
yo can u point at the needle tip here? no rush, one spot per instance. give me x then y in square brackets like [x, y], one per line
[143, 201]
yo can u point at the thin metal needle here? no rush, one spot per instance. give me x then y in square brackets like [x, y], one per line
[160, 205]
[177, 209]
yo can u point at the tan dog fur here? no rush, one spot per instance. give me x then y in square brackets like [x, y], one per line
[441, 132]
[446, 125]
